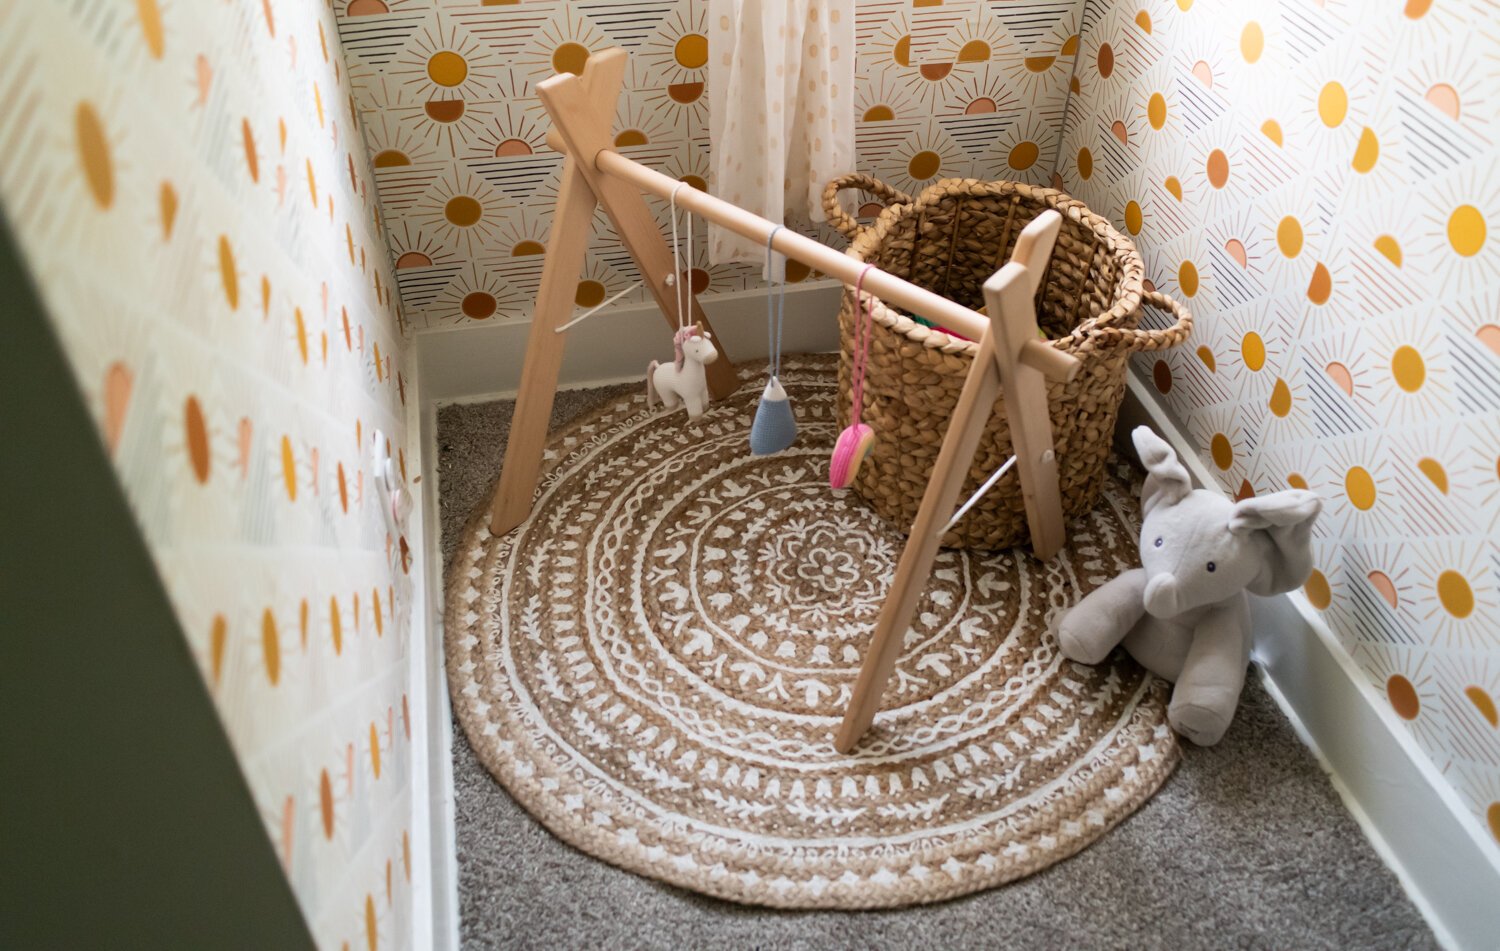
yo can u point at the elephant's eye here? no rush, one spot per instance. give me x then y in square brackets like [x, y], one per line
[1158, 543]
[1212, 566]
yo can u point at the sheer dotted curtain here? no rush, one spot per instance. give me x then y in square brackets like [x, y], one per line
[781, 109]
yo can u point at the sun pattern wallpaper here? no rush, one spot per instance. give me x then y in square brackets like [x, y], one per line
[467, 183]
[190, 188]
[1319, 182]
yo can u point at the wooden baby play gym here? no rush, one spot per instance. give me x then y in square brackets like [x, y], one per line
[1090, 295]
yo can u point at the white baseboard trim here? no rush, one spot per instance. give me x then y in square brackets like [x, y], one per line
[434, 846]
[483, 361]
[1411, 815]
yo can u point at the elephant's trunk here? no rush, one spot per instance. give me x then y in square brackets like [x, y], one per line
[1163, 597]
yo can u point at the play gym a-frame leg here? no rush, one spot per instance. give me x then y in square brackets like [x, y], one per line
[1010, 359]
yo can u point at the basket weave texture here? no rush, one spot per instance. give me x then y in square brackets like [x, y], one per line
[950, 239]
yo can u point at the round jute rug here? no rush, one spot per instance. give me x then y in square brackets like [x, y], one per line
[654, 664]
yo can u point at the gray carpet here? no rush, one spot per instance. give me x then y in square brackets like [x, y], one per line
[1246, 846]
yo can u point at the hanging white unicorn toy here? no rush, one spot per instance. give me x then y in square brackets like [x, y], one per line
[684, 379]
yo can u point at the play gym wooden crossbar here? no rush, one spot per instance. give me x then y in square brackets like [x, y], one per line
[1010, 360]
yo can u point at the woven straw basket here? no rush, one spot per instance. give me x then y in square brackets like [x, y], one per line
[950, 239]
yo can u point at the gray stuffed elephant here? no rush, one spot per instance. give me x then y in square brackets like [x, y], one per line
[1184, 615]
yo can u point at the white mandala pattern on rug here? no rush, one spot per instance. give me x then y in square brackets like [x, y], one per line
[654, 664]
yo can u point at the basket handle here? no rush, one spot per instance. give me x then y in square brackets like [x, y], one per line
[841, 219]
[1148, 339]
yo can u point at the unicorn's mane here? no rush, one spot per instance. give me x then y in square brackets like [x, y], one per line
[679, 359]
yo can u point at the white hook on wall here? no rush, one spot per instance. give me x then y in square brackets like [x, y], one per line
[395, 502]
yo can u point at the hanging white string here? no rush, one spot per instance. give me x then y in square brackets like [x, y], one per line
[974, 499]
[596, 308]
[778, 290]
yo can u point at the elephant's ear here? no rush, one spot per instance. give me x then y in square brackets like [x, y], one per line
[1167, 481]
[1285, 520]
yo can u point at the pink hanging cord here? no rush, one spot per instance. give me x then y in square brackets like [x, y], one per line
[864, 330]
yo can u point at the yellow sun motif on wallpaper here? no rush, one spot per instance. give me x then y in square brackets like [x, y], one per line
[1358, 488]
[1411, 351]
[598, 281]
[1252, 42]
[217, 650]
[677, 52]
[1157, 99]
[1429, 466]
[923, 158]
[394, 144]
[442, 62]
[476, 294]
[516, 252]
[460, 210]
[1040, 70]
[1250, 339]
[1481, 789]
[332, 795]
[889, 50]
[637, 123]
[1285, 466]
[1225, 443]
[1333, 104]
[1433, 19]
[1223, 174]
[96, 153]
[199, 436]
[1327, 584]
[1455, 596]
[1187, 274]
[977, 41]
[707, 279]
[562, 45]
[882, 97]
[364, 8]
[522, 238]
[1327, 279]
[1481, 460]
[1018, 151]
[1471, 683]
[379, 743]
[1083, 162]
[375, 925]
[274, 647]
[968, 51]
[1459, 229]
[691, 168]
[296, 460]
